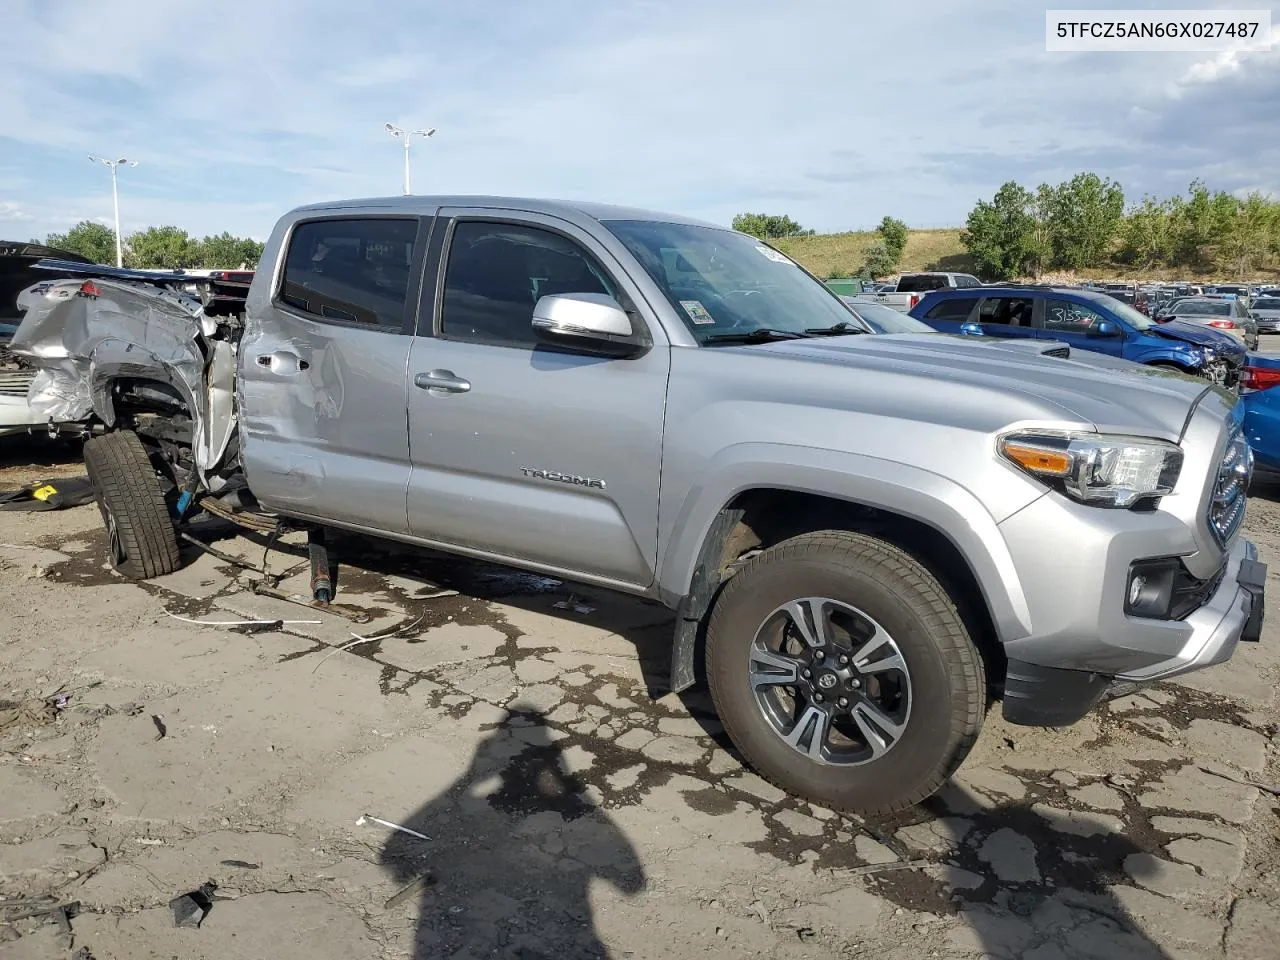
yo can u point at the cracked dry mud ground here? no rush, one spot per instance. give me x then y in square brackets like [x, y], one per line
[574, 809]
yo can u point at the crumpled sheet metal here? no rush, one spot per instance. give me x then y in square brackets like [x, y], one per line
[79, 344]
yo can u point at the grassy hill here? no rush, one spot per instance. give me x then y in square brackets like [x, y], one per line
[843, 253]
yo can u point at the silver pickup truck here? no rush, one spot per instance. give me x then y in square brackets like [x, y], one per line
[911, 288]
[863, 537]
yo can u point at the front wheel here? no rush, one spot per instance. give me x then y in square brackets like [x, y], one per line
[843, 672]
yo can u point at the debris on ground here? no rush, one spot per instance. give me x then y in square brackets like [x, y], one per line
[573, 603]
[240, 864]
[161, 730]
[275, 624]
[414, 886]
[34, 712]
[48, 495]
[190, 909]
[367, 818]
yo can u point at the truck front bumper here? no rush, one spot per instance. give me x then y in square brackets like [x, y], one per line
[1040, 694]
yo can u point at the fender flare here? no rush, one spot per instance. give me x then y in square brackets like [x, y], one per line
[689, 572]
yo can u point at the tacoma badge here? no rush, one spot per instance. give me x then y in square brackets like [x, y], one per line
[563, 477]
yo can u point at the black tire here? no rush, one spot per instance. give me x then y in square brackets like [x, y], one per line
[947, 678]
[141, 539]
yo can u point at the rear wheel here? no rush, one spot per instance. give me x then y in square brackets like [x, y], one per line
[141, 539]
[843, 672]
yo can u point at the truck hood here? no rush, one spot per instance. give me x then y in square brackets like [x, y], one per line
[1130, 399]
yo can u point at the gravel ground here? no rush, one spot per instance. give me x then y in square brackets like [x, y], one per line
[572, 808]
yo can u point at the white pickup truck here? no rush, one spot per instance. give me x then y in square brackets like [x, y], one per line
[912, 287]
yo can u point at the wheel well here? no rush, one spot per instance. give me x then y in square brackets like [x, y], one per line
[769, 516]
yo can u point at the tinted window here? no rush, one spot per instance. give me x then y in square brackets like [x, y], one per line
[352, 271]
[966, 281]
[1006, 311]
[913, 283]
[1266, 303]
[955, 308]
[1068, 317]
[1203, 308]
[496, 274]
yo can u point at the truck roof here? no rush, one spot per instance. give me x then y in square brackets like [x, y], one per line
[567, 209]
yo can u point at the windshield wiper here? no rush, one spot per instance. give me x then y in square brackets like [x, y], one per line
[841, 329]
[758, 335]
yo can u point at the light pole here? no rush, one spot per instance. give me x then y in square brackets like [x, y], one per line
[405, 136]
[115, 196]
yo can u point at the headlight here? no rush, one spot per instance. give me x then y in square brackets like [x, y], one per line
[1107, 471]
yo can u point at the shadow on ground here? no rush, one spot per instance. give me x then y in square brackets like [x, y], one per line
[515, 844]
[1035, 883]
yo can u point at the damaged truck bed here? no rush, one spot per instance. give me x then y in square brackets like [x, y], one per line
[132, 349]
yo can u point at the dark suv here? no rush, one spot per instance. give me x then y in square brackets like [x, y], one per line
[1085, 320]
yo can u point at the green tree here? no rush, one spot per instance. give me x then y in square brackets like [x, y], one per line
[1149, 233]
[1085, 220]
[228, 252]
[893, 234]
[1000, 234]
[768, 226]
[89, 239]
[162, 248]
[1205, 218]
[1247, 236]
[879, 261]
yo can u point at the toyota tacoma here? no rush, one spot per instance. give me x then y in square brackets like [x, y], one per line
[864, 538]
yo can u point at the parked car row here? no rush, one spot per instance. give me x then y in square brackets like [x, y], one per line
[860, 532]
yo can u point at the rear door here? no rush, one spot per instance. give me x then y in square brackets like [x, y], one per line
[322, 373]
[1009, 316]
[521, 451]
[1070, 322]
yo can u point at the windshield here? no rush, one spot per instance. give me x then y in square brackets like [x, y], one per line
[1266, 303]
[721, 282]
[1203, 308]
[1128, 314]
[887, 320]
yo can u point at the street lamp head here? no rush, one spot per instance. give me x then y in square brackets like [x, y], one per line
[392, 129]
[122, 162]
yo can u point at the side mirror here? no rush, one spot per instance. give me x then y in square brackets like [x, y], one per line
[1104, 328]
[591, 322]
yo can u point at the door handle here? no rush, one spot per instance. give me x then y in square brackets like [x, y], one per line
[283, 363]
[437, 382]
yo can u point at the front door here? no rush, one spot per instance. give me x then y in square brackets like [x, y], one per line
[1070, 322]
[322, 374]
[1003, 316]
[520, 451]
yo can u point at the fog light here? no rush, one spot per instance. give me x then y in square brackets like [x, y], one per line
[1150, 592]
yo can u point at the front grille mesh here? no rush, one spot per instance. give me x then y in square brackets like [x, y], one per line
[1226, 506]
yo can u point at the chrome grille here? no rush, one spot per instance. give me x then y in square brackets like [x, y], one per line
[1226, 506]
[15, 383]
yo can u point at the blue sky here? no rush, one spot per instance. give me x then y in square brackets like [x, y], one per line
[834, 112]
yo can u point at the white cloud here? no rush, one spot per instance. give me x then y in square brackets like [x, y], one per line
[1226, 63]
[14, 213]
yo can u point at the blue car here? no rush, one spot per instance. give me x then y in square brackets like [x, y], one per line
[1261, 409]
[1085, 320]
